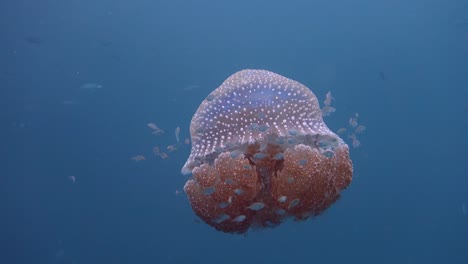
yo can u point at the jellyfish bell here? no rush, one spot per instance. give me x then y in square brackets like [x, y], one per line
[264, 134]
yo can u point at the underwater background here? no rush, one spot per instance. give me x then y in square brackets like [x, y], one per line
[81, 80]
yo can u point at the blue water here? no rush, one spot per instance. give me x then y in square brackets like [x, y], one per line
[402, 65]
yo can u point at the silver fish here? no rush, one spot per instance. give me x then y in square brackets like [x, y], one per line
[90, 86]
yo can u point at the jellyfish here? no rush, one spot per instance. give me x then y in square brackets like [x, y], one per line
[261, 154]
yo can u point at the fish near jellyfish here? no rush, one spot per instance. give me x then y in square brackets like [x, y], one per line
[261, 153]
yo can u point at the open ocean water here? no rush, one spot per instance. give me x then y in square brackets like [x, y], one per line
[88, 89]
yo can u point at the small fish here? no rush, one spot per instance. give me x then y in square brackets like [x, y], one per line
[155, 128]
[159, 153]
[157, 132]
[68, 102]
[355, 142]
[209, 190]
[191, 87]
[293, 203]
[177, 132]
[328, 99]
[72, 178]
[171, 148]
[240, 218]
[90, 86]
[341, 130]
[353, 122]
[256, 206]
[223, 205]
[238, 191]
[156, 151]
[221, 218]
[259, 156]
[138, 158]
[382, 76]
[33, 40]
[282, 199]
[327, 110]
[279, 156]
[152, 126]
[360, 129]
